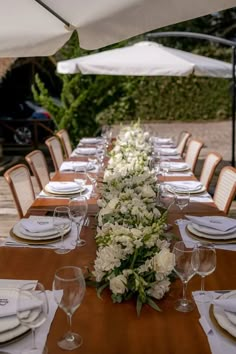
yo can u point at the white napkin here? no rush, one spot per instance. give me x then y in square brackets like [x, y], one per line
[37, 225]
[15, 283]
[226, 304]
[168, 151]
[178, 165]
[10, 308]
[186, 185]
[71, 165]
[91, 140]
[85, 151]
[221, 223]
[63, 186]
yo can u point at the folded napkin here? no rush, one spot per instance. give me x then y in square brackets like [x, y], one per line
[10, 307]
[71, 165]
[63, 186]
[226, 304]
[220, 223]
[186, 185]
[178, 165]
[85, 151]
[91, 140]
[169, 151]
[37, 225]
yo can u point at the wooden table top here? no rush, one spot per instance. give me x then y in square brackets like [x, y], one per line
[109, 328]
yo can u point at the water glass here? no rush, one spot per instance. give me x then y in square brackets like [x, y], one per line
[184, 269]
[204, 263]
[78, 210]
[68, 290]
[62, 222]
[182, 198]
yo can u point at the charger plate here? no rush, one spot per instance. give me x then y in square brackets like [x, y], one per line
[42, 241]
[195, 235]
[170, 187]
[221, 319]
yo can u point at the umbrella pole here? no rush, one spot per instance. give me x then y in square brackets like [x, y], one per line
[233, 106]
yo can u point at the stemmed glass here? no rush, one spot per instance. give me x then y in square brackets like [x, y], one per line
[204, 263]
[184, 269]
[62, 222]
[32, 309]
[182, 198]
[92, 176]
[69, 289]
[78, 210]
[80, 175]
[165, 166]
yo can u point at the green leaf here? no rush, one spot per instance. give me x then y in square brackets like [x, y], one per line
[151, 303]
[139, 306]
[100, 290]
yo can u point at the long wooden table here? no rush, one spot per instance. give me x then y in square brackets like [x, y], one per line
[109, 328]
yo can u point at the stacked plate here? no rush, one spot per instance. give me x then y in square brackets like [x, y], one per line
[38, 230]
[225, 319]
[91, 140]
[191, 187]
[85, 151]
[76, 165]
[10, 327]
[178, 167]
[168, 152]
[64, 188]
[211, 229]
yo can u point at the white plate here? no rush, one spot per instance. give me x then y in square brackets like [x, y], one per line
[63, 186]
[211, 231]
[17, 230]
[10, 327]
[178, 169]
[48, 189]
[211, 237]
[196, 191]
[222, 317]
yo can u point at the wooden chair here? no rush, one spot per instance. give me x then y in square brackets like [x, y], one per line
[65, 141]
[55, 150]
[225, 188]
[182, 142]
[39, 168]
[20, 183]
[208, 169]
[192, 153]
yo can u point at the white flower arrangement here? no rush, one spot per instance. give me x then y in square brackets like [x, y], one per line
[133, 256]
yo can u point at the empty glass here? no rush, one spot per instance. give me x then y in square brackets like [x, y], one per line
[32, 310]
[78, 211]
[62, 222]
[92, 177]
[185, 271]
[204, 263]
[68, 290]
[182, 198]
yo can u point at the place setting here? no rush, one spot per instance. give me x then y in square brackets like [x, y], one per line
[27, 312]
[57, 232]
[66, 189]
[70, 166]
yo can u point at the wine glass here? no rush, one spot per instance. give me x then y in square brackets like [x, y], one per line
[80, 175]
[204, 263]
[165, 166]
[32, 309]
[78, 210]
[92, 177]
[62, 222]
[68, 290]
[182, 198]
[185, 271]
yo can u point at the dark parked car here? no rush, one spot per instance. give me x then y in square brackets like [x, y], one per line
[25, 123]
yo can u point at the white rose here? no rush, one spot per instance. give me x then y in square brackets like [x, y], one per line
[147, 192]
[118, 284]
[164, 261]
[159, 289]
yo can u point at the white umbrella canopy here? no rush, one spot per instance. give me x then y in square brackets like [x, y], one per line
[30, 28]
[146, 59]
